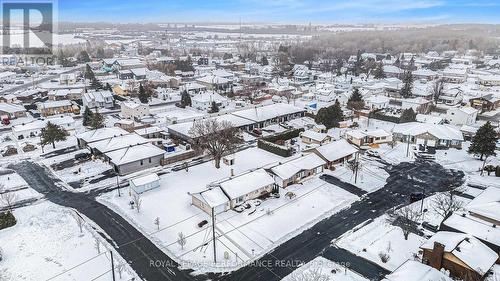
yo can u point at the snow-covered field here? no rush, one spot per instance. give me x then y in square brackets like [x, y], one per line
[46, 241]
[244, 236]
[13, 183]
[378, 238]
[323, 269]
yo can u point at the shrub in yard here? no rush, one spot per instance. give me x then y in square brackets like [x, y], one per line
[489, 169]
[7, 219]
[384, 257]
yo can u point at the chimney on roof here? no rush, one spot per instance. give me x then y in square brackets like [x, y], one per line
[436, 256]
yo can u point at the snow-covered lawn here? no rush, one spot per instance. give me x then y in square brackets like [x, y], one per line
[371, 176]
[244, 236]
[323, 269]
[378, 238]
[83, 171]
[14, 183]
[46, 241]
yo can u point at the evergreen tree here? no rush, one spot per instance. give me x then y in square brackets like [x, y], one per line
[87, 116]
[100, 53]
[408, 115]
[185, 99]
[83, 56]
[97, 120]
[484, 142]
[379, 73]
[214, 107]
[52, 133]
[330, 116]
[358, 65]
[89, 73]
[95, 84]
[264, 61]
[143, 95]
[406, 91]
[355, 100]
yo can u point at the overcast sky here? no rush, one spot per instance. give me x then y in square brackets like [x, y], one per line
[282, 11]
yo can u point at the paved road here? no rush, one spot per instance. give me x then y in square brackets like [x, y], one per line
[138, 253]
[344, 185]
[275, 265]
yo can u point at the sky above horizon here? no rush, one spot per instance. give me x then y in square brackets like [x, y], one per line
[282, 11]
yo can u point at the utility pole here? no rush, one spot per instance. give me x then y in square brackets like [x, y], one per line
[407, 145]
[213, 235]
[356, 165]
[118, 184]
[112, 265]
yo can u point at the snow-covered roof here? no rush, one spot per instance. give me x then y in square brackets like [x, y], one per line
[416, 271]
[97, 96]
[424, 72]
[134, 153]
[246, 183]
[378, 99]
[487, 204]
[336, 150]
[141, 71]
[101, 134]
[11, 108]
[212, 79]
[147, 179]
[423, 118]
[208, 97]
[39, 124]
[474, 226]
[439, 131]
[132, 105]
[212, 197]
[468, 249]
[117, 142]
[54, 104]
[263, 113]
[148, 130]
[314, 135]
[292, 167]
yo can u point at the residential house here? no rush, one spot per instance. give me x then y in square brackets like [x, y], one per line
[462, 115]
[12, 111]
[479, 218]
[366, 138]
[247, 186]
[417, 104]
[101, 99]
[335, 152]
[451, 96]
[34, 128]
[313, 137]
[428, 134]
[50, 108]
[298, 169]
[135, 158]
[85, 138]
[487, 102]
[212, 200]
[67, 79]
[454, 75]
[203, 101]
[464, 256]
[412, 270]
[377, 102]
[133, 110]
[489, 80]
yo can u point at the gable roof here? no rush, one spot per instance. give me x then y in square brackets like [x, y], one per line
[292, 167]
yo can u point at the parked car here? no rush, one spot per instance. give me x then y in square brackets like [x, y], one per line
[82, 156]
[202, 223]
[416, 196]
[373, 153]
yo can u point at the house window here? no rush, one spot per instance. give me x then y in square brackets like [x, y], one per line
[142, 163]
[149, 160]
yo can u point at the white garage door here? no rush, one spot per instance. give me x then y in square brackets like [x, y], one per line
[420, 141]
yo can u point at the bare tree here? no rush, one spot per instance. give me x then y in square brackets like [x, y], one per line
[136, 198]
[97, 244]
[406, 218]
[181, 240]
[157, 222]
[446, 203]
[119, 268]
[217, 138]
[79, 221]
[313, 273]
[437, 90]
[7, 197]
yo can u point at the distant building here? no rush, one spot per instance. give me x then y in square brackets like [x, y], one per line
[462, 115]
[133, 110]
[101, 99]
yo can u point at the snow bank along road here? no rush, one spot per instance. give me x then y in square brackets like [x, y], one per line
[139, 251]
